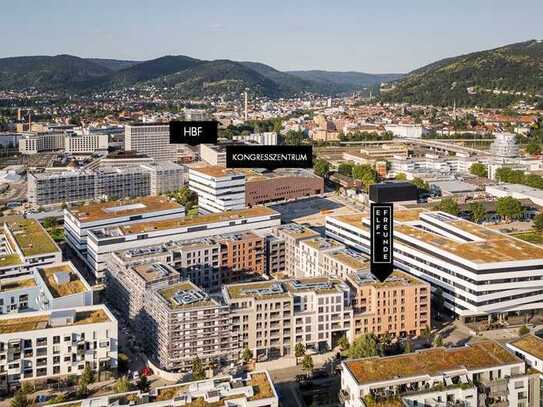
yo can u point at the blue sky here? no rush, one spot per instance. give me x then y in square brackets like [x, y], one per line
[377, 36]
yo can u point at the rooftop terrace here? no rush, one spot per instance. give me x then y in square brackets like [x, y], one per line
[17, 284]
[530, 344]
[485, 354]
[31, 238]
[61, 280]
[19, 323]
[196, 220]
[185, 295]
[125, 207]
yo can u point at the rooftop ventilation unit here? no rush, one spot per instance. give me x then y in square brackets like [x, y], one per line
[189, 297]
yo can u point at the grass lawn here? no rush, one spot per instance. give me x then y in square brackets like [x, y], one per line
[531, 236]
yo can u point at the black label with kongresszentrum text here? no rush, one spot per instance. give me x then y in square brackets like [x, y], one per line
[269, 157]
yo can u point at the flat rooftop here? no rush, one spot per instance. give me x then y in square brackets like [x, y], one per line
[17, 284]
[20, 323]
[31, 238]
[434, 362]
[125, 207]
[196, 220]
[296, 231]
[475, 243]
[260, 290]
[185, 295]
[349, 258]
[10, 260]
[154, 271]
[62, 280]
[530, 344]
[396, 279]
[321, 243]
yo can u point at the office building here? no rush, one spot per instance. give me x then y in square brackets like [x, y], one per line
[269, 138]
[213, 154]
[102, 181]
[52, 345]
[151, 139]
[480, 374]
[182, 321]
[86, 143]
[24, 246]
[481, 272]
[79, 220]
[400, 306]
[272, 317]
[218, 189]
[103, 241]
[505, 145]
[67, 141]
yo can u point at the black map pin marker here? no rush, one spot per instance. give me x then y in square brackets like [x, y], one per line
[381, 246]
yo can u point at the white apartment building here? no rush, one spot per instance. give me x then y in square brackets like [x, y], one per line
[219, 189]
[151, 139]
[86, 143]
[341, 263]
[505, 145]
[78, 221]
[481, 272]
[292, 234]
[272, 317]
[182, 321]
[269, 138]
[530, 349]
[406, 130]
[104, 241]
[104, 182]
[40, 346]
[213, 154]
[474, 375]
[33, 143]
[311, 256]
[24, 246]
[256, 390]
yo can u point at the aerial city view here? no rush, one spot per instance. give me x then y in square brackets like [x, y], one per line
[250, 204]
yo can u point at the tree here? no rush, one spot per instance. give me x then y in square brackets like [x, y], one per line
[533, 148]
[294, 137]
[479, 170]
[509, 208]
[448, 205]
[321, 167]
[299, 351]
[364, 346]
[343, 343]
[538, 222]
[438, 341]
[246, 355]
[49, 223]
[87, 376]
[27, 388]
[426, 334]
[421, 185]
[143, 384]
[400, 176]
[408, 347]
[307, 363]
[523, 330]
[477, 212]
[198, 372]
[122, 385]
[19, 400]
[184, 196]
[345, 169]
